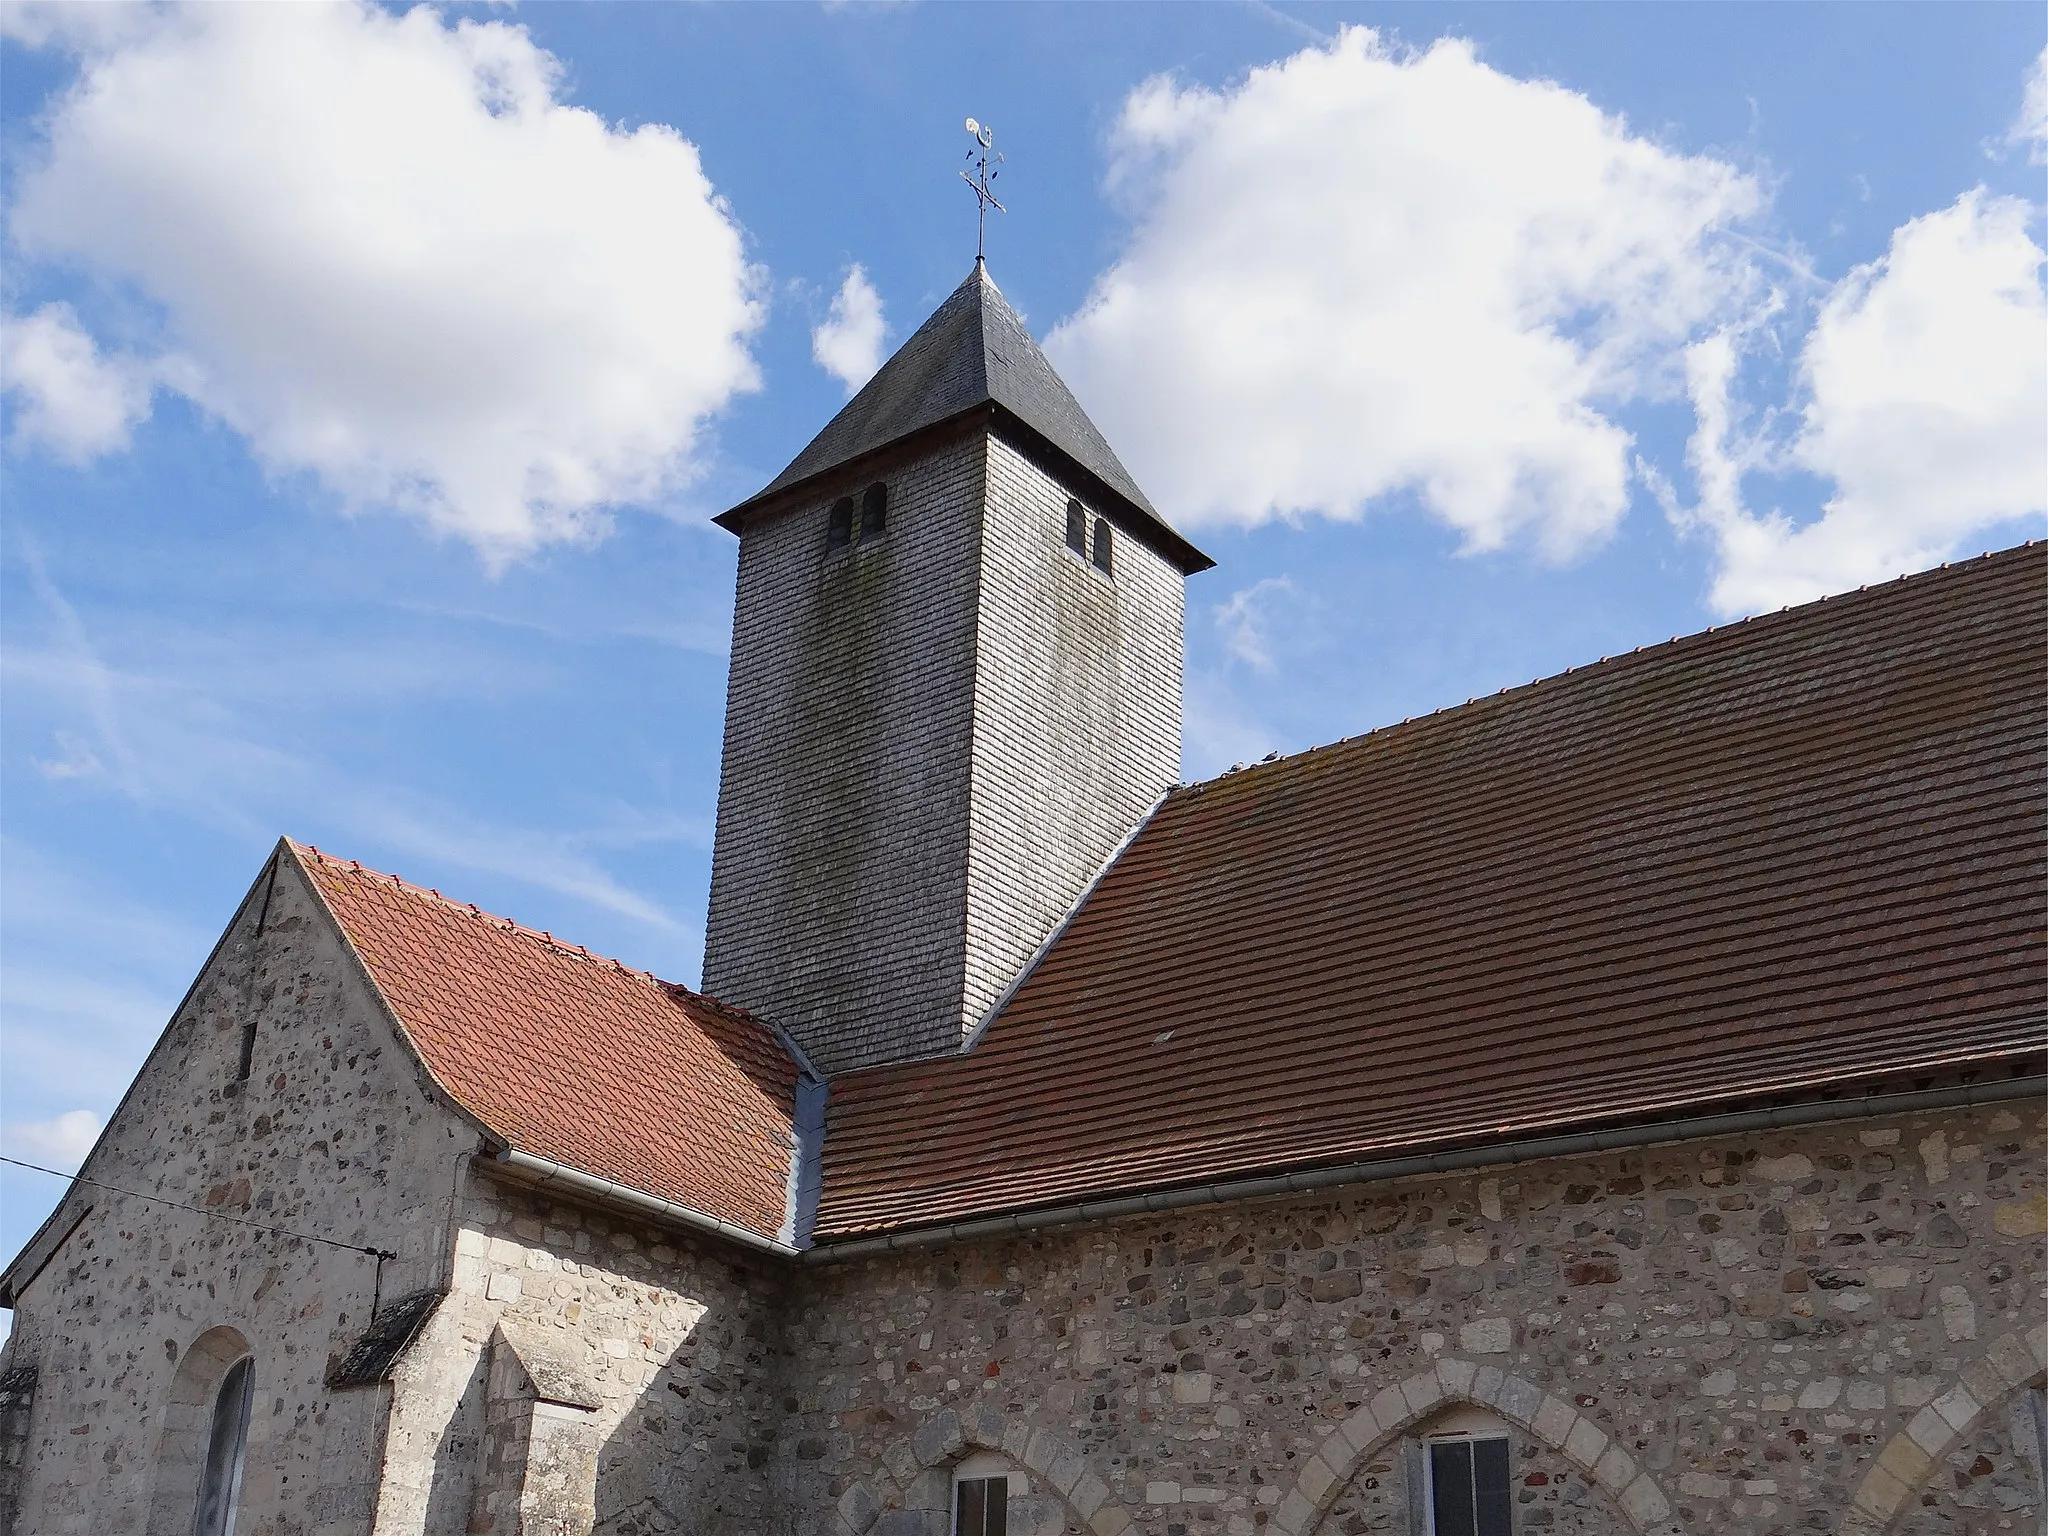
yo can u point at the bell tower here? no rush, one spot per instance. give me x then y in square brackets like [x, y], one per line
[955, 689]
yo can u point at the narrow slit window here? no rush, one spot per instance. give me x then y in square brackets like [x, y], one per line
[220, 1477]
[839, 529]
[981, 1506]
[1077, 529]
[248, 1057]
[1468, 1488]
[874, 511]
[1104, 561]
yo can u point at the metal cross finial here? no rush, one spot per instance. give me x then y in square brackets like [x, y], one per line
[983, 178]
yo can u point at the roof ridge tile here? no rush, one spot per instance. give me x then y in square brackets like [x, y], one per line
[1585, 668]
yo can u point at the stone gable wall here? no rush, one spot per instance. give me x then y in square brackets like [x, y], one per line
[332, 1133]
[1723, 1336]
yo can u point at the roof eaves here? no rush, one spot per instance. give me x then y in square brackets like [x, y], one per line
[501, 1144]
[557, 1176]
[1281, 1180]
[1140, 522]
[778, 497]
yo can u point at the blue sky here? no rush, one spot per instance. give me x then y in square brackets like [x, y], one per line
[371, 378]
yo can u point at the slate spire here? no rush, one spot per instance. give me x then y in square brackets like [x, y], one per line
[973, 357]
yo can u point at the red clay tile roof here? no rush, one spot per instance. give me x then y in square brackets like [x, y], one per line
[575, 1058]
[1781, 857]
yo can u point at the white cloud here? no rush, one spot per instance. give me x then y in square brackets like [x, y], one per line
[387, 252]
[848, 345]
[1362, 272]
[2031, 126]
[1925, 405]
[68, 397]
[59, 1143]
[1246, 620]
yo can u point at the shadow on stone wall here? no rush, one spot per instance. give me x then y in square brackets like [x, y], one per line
[692, 1452]
[453, 1484]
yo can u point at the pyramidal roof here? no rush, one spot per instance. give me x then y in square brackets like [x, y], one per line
[973, 353]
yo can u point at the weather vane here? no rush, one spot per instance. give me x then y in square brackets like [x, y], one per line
[982, 179]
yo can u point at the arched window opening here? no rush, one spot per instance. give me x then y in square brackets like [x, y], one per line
[205, 1429]
[220, 1481]
[874, 511]
[1103, 562]
[839, 527]
[1077, 529]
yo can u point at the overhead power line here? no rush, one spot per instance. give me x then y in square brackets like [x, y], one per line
[200, 1210]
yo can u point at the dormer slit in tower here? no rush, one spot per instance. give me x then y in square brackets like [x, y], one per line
[934, 739]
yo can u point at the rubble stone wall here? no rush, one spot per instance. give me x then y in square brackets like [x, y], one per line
[664, 1343]
[331, 1133]
[1724, 1335]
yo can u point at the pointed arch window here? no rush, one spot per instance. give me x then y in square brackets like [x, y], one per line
[227, 1441]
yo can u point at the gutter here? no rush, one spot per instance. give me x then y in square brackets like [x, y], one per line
[1870, 1106]
[538, 1170]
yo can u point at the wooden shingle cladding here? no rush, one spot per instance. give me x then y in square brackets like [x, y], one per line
[574, 1058]
[1795, 855]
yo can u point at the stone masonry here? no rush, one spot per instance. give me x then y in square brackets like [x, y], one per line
[331, 1132]
[933, 741]
[642, 1356]
[1738, 1336]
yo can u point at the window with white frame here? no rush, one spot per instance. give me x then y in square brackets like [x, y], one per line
[982, 1486]
[981, 1506]
[1468, 1486]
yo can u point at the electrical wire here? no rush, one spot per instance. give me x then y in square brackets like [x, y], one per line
[379, 1254]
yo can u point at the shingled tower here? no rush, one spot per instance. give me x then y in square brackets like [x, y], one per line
[955, 688]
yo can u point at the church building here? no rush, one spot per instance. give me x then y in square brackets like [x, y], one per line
[1611, 1106]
